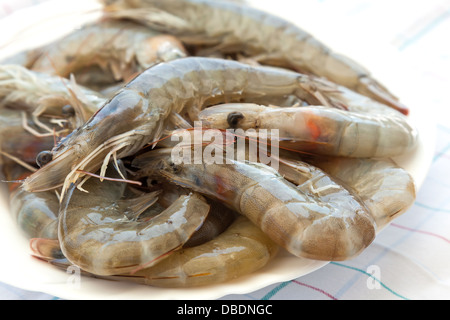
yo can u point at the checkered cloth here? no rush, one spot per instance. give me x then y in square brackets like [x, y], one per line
[410, 259]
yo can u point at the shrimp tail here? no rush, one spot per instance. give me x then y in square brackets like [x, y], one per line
[66, 265]
[150, 162]
[133, 208]
[47, 249]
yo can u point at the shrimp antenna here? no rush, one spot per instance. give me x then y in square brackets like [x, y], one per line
[138, 183]
[18, 161]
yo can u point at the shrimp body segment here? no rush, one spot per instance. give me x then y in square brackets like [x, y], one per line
[96, 235]
[386, 189]
[136, 115]
[233, 27]
[240, 250]
[321, 130]
[119, 48]
[296, 219]
[36, 214]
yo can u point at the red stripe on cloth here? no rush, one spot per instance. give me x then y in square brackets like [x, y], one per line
[420, 231]
[316, 289]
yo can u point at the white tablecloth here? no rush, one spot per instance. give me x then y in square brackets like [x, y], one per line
[409, 260]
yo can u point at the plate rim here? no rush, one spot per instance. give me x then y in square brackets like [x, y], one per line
[60, 289]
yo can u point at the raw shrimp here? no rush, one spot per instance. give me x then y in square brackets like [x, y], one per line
[219, 217]
[302, 220]
[120, 48]
[242, 249]
[230, 27]
[321, 130]
[39, 94]
[218, 220]
[48, 250]
[386, 189]
[136, 115]
[96, 234]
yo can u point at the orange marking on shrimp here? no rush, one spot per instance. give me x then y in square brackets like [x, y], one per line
[200, 275]
[220, 183]
[314, 129]
[148, 264]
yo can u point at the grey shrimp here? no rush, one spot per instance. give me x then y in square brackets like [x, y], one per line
[137, 114]
[36, 214]
[38, 94]
[366, 133]
[302, 220]
[239, 251]
[120, 49]
[16, 141]
[387, 189]
[99, 232]
[233, 27]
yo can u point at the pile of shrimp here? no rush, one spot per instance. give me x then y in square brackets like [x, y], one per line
[88, 135]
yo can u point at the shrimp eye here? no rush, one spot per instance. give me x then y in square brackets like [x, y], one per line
[175, 168]
[234, 118]
[43, 158]
[68, 111]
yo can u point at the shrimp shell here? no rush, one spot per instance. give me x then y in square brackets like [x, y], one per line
[387, 189]
[298, 219]
[321, 130]
[96, 235]
[136, 115]
[242, 249]
[121, 48]
[16, 141]
[233, 27]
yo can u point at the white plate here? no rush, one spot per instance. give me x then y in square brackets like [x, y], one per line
[19, 269]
